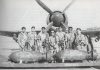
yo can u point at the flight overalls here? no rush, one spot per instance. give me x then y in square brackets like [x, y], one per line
[22, 39]
[81, 42]
[43, 42]
[71, 38]
[53, 44]
[66, 41]
[32, 41]
[61, 39]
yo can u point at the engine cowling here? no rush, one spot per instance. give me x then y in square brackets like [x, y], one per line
[57, 17]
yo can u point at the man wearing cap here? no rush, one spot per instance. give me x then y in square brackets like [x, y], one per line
[22, 38]
[32, 39]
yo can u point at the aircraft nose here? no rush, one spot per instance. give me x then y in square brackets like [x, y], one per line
[57, 18]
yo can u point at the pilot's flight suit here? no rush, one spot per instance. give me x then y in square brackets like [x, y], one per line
[32, 40]
[61, 39]
[53, 43]
[66, 40]
[81, 42]
[22, 39]
[70, 40]
[43, 41]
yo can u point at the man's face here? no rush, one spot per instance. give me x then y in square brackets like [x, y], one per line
[78, 31]
[32, 29]
[43, 30]
[53, 33]
[70, 30]
[23, 30]
[57, 29]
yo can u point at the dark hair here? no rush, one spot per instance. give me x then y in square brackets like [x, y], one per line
[78, 29]
[43, 28]
[70, 27]
[33, 27]
[23, 28]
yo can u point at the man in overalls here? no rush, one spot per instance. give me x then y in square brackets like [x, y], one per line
[60, 35]
[53, 42]
[71, 38]
[44, 36]
[22, 38]
[66, 39]
[81, 40]
[32, 39]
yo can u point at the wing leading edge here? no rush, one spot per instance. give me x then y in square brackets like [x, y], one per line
[11, 33]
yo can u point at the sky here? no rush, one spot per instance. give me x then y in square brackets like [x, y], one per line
[17, 13]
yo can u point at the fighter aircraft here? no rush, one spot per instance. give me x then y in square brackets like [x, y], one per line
[55, 19]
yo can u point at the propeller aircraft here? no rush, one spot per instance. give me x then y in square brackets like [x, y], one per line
[56, 19]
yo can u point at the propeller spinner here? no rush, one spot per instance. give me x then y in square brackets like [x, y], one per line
[56, 18]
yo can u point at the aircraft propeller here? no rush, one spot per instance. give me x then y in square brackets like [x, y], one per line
[48, 10]
[68, 5]
[57, 17]
[49, 26]
[44, 6]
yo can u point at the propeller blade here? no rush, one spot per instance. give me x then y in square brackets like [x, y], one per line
[54, 28]
[64, 26]
[68, 5]
[44, 6]
[49, 26]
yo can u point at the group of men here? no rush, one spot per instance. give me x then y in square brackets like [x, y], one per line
[55, 41]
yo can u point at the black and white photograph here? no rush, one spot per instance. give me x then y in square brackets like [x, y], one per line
[50, 34]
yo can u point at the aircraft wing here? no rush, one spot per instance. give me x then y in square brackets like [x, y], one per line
[11, 33]
[91, 33]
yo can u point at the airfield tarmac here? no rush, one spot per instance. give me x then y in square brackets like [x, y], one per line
[8, 45]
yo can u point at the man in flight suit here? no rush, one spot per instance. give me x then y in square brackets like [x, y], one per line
[44, 36]
[66, 39]
[22, 38]
[53, 42]
[81, 40]
[60, 35]
[32, 39]
[71, 37]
